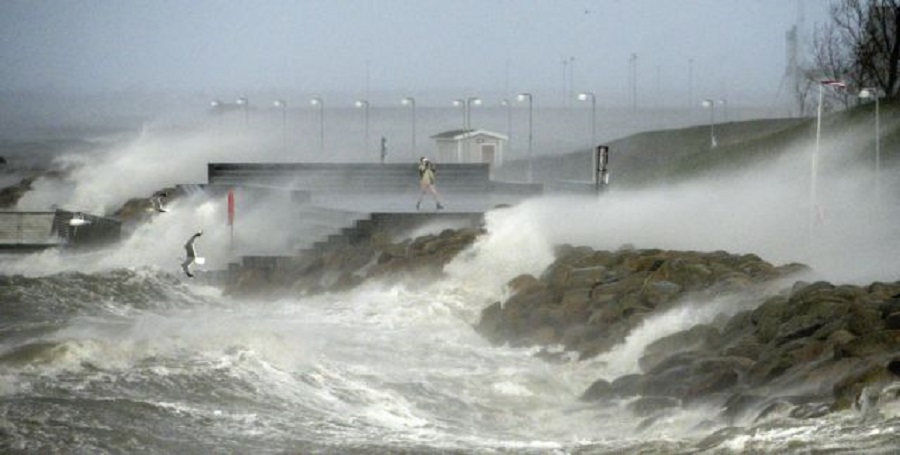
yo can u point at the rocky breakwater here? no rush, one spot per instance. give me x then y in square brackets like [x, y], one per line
[340, 267]
[774, 344]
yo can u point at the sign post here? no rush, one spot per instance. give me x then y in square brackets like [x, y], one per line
[601, 173]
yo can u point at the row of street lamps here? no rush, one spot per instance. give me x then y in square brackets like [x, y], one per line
[467, 103]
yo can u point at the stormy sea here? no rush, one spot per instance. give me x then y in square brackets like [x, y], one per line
[116, 351]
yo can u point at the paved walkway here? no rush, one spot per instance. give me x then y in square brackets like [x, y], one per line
[406, 203]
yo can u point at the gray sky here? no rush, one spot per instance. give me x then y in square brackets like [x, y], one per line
[415, 46]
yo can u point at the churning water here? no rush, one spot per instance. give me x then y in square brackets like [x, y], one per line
[138, 360]
[114, 352]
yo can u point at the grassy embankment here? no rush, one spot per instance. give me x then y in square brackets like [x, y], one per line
[670, 156]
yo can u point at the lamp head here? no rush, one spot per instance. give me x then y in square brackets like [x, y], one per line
[867, 93]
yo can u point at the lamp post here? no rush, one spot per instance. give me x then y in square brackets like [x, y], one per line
[690, 83]
[708, 103]
[632, 79]
[472, 100]
[530, 98]
[411, 102]
[317, 101]
[365, 105]
[242, 101]
[505, 102]
[461, 103]
[814, 165]
[216, 106]
[873, 93]
[724, 105]
[282, 104]
[466, 104]
[584, 97]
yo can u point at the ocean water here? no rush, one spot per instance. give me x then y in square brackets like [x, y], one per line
[114, 351]
[108, 358]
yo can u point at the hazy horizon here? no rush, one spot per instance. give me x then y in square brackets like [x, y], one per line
[648, 52]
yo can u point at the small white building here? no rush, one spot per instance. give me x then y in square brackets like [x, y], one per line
[470, 146]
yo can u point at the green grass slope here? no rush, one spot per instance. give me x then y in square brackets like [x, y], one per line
[671, 156]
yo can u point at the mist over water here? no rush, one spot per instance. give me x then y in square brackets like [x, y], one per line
[114, 351]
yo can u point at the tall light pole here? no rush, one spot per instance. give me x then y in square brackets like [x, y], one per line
[217, 107]
[282, 104]
[317, 101]
[711, 104]
[571, 82]
[722, 102]
[690, 83]
[472, 100]
[462, 104]
[411, 102]
[365, 105]
[633, 80]
[505, 102]
[584, 97]
[814, 165]
[242, 101]
[873, 93]
[466, 104]
[530, 98]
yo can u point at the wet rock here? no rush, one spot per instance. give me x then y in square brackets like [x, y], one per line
[894, 367]
[871, 344]
[648, 406]
[340, 266]
[847, 391]
[10, 195]
[892, 321]
[628, 386]
[739, 405]
[601, 389]
[699, 337]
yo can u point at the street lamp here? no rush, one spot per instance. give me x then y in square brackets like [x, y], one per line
[217, 108]
[317, 101]
[411, 102]
[283, 105]
[505, 102]
[584, 97]
[814, 165]
[242, 101]
[462, 103]
[466, 105]
[530, 98]
[724, 105]
[708, 103]
[365, 104]
[874, 94]
[472, 100]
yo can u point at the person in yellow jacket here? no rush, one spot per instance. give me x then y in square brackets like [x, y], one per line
[427, 181]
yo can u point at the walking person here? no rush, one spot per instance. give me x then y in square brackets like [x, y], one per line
[427, 180]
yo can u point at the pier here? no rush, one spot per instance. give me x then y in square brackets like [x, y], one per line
[334, 205]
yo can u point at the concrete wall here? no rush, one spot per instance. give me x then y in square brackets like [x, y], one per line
[28, 230]
[349, 177]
